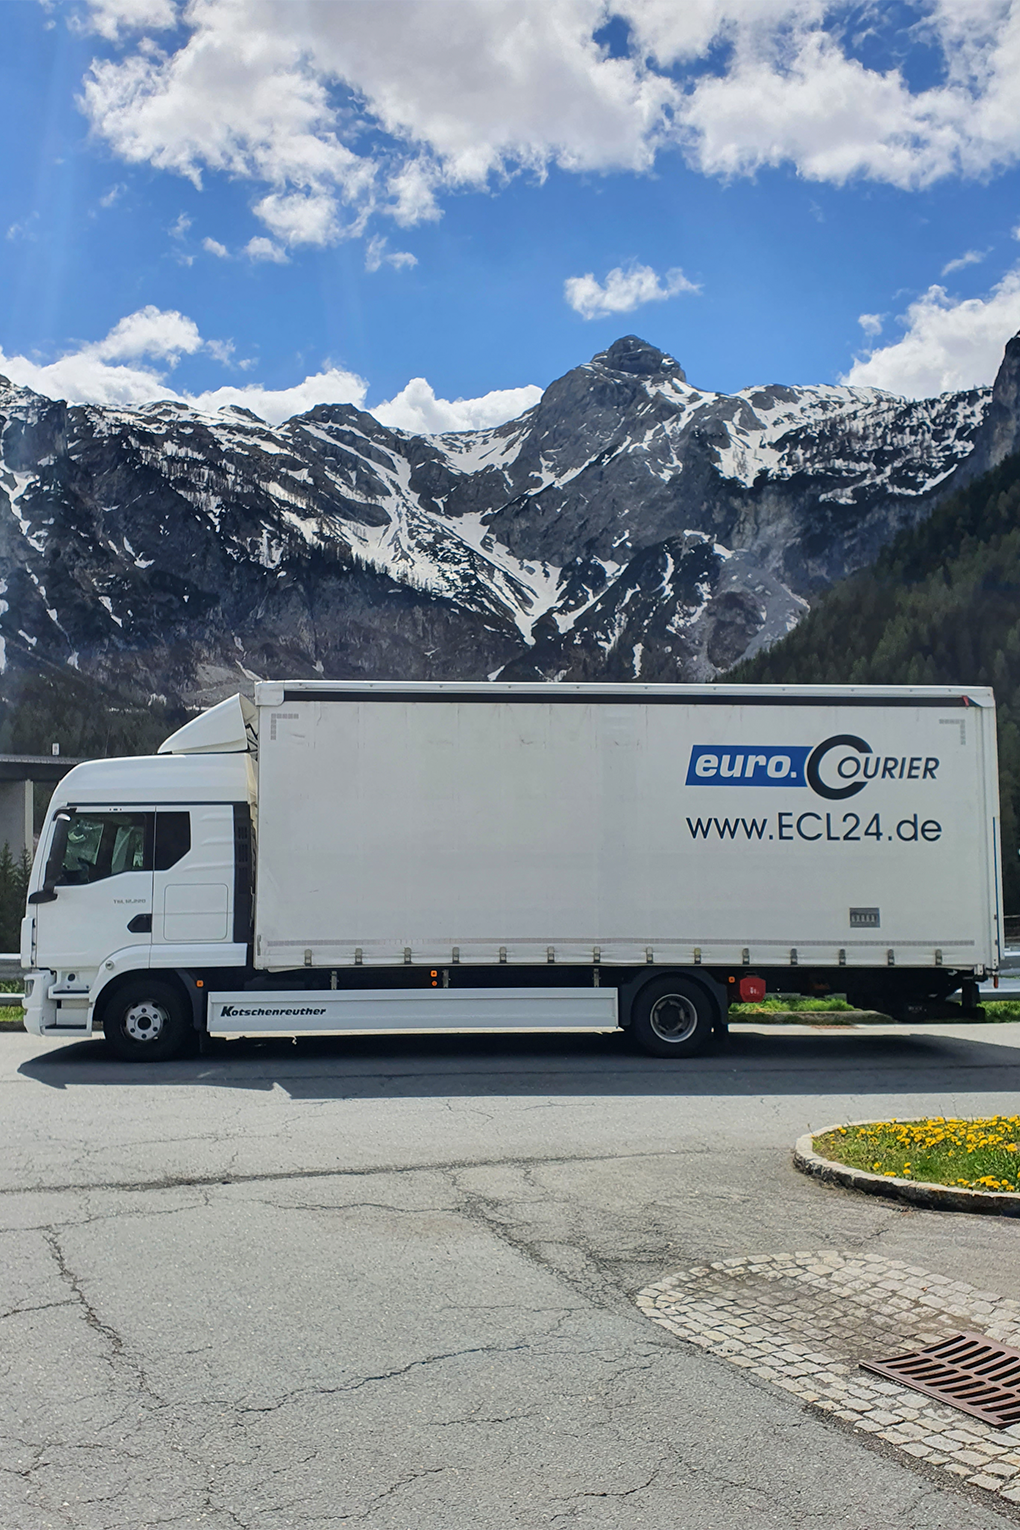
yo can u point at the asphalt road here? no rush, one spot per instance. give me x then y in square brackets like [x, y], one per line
[390, 1283]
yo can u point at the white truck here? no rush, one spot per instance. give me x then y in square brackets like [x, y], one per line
[376, 857]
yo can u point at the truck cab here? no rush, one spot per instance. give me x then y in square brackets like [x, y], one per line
[143, 867]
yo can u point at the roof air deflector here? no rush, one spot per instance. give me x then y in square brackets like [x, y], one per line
[228, 728]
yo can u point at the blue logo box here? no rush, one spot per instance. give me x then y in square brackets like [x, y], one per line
[747, 765]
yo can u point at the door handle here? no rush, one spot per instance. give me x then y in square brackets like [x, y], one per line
[141, 924]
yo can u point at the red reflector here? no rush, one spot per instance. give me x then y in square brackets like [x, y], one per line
[752, 990]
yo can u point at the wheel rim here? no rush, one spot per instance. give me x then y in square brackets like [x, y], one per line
[673, 1018]
[145, 1021]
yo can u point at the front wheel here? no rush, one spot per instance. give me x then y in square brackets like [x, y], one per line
[147, 1020]
[672, 1017]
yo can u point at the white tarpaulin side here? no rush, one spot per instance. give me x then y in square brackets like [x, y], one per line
[429, 825]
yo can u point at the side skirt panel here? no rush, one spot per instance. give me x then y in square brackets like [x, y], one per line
[385, 1010]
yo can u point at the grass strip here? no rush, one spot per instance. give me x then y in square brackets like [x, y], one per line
[12, 1016]
[790, 1003]
[997, 1011]
[1001, 1009]
[978, 1154]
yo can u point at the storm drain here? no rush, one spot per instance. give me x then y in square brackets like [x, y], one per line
[967, 1371]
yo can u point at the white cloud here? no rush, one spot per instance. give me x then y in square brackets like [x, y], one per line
[82, 378]
[221, 350]
[261, 248]
[113, 195]
[871, 323]
[300, 217]
[376, 255]
[808, 104]
[336, 117]
[163, 334]
[179, 228]
[127, 369]
[213, 247]
[416, 408]
[331, 386]
[946, 344]
[110, 18]
[970, 258]
[792, 92]
[118, 370]
[411, 193]
[624, 289]
[453, 95]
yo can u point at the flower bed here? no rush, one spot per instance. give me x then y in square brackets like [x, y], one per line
[977, 1154]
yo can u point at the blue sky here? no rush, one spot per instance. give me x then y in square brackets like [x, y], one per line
[278, 203]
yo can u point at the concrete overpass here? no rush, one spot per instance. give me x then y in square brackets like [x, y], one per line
[18, 775]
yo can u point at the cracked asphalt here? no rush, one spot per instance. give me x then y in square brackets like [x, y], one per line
[391, 1282]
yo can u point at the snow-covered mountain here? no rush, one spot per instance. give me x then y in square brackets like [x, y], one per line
[629, 525]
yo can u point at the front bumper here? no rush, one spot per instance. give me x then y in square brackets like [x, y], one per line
[51, 1010]
[40, 1010]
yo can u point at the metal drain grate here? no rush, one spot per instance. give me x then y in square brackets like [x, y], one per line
[968, 1371]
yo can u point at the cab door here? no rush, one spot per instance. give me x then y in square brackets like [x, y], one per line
[97, 893]
[194, 877]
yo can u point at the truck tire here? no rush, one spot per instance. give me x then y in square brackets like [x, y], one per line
[147, 1020]
[672, 1017]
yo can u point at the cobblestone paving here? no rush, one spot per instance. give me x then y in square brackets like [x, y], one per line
[805, 1321]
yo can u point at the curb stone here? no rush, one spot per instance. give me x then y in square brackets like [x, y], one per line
[819, 1017]
[917, 1192]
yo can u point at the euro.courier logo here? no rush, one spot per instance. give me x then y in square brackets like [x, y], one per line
[837, 768]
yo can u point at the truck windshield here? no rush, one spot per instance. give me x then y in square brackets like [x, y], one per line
[101, 845]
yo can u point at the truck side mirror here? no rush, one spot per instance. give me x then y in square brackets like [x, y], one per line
[54, 861]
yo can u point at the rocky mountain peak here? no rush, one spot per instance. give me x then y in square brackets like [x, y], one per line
[632, 354]
[242, 413]
[629, 526]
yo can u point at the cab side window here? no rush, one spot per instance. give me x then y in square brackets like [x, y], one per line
[101, 845]
[173, 839]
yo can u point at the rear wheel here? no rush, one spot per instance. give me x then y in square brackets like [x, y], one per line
[147, 1019]
[672, 1017]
